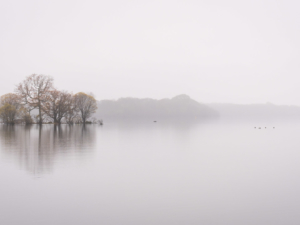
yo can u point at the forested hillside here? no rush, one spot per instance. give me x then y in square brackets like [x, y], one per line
[180, 107]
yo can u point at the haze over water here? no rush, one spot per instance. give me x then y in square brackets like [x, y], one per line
[217, 172]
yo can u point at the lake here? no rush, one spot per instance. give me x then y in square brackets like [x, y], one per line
[145, 173]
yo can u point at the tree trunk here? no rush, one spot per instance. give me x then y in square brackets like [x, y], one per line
[40, 112]
[40, 115]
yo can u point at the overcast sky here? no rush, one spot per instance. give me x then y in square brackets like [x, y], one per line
[214, 51]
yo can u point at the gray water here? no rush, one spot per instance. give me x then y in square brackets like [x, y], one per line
[151, 173]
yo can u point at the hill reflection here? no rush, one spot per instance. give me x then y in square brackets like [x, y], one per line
[36, 148]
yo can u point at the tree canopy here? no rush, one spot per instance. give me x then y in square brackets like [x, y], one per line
[36, 93]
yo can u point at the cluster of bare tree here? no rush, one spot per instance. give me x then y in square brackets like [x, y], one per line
[36, 93]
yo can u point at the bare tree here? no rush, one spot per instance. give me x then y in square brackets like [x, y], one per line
[33, 91]
[57, 105]
[72, 111]
[86, 104]
[25, 116]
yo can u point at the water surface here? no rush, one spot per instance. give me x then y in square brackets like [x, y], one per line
[221, 172]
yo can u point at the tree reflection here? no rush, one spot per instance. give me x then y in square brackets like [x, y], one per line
[37, 148]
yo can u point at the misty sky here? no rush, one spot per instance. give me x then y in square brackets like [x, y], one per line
[214, 51]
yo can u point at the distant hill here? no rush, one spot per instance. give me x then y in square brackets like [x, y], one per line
[181, 107]
[256, 111]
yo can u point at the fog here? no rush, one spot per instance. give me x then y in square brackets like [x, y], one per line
[214, 51]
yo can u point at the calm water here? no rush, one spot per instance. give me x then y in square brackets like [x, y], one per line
[151, 173]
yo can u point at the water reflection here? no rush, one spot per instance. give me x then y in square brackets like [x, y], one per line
[36, 148]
